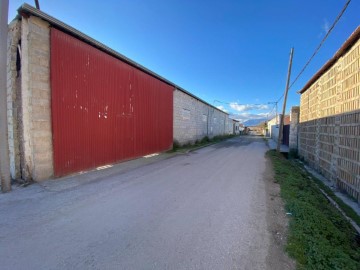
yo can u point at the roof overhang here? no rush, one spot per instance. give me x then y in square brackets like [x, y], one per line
[343, 49]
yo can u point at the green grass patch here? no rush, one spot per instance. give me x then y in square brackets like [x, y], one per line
[347, 209]
[319, 236]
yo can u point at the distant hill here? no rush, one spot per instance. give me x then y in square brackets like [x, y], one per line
[254, 122]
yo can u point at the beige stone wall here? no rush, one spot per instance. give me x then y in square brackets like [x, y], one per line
[330, 123]
[35, 115]
[294, 126]
[193, 119]
[13, 96]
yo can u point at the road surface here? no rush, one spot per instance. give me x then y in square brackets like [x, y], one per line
[203, 210]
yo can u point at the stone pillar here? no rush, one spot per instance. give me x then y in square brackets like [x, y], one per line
[294, 128]
[13, 88]
[35, 117]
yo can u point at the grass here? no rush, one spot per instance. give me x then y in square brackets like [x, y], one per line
[198, 143]
[319, 236]
[347, 209]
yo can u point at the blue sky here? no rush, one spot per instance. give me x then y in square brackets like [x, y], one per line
[230, 53]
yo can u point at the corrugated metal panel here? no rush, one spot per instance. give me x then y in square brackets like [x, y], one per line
[29, 10]
[104, 110]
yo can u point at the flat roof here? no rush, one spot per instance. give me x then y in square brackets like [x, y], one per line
[26, 9]
[343, 49]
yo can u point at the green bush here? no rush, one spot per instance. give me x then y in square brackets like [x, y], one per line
[205, 140]
[176, 145]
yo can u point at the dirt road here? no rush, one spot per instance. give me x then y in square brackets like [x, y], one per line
[213, 208]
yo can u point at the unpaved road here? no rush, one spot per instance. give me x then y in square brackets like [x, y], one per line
[208, 209]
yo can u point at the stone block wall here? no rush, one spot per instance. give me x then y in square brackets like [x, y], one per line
[193, 119]
[294, 125]
[217, 122]
[13, 96]
[36, 98]
[230, 126]
[330, 123]
[29, 99]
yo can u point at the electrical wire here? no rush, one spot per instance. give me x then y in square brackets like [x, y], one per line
[319, 46]
[321, 43]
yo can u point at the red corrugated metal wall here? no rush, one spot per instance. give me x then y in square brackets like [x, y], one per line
[104, 110]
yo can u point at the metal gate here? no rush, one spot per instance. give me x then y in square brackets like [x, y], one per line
[286, 134]
[104, 110]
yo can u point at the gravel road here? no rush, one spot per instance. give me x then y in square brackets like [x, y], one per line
[203, 210]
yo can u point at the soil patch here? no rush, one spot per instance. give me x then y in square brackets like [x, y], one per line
[277, 223]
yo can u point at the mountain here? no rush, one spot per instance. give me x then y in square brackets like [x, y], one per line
[253, 122]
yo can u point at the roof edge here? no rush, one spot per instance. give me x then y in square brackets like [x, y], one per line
[353, 38]
[28, 9]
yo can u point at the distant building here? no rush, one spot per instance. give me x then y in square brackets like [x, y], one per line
[273, 126]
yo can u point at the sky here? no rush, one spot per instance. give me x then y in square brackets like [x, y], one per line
[233, 54]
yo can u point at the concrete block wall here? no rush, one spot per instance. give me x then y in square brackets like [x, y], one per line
[13, 96]
[217, 122]
[237, 127]
[193, 119]
[36, 96]
[29, 94]
[294, 126]
[230, 126]
[330, 123]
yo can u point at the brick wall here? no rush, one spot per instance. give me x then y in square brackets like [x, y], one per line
[193, 119]
[330, 123]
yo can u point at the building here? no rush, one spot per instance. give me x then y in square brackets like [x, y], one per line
[236, 124]
[329, 129]
[274, 124]
[75, 104]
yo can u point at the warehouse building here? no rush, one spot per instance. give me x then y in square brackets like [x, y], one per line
[75, 104]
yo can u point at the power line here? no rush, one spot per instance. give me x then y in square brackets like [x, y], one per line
[321, 43]
[270, 112]
[235, 103]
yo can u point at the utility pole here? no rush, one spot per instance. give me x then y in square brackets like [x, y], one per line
[37, 5]
[4, 149]
[285, 98]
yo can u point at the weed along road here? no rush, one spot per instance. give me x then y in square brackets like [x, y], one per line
[203, 210]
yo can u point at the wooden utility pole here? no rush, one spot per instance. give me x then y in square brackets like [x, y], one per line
[4, 149]
[285, 98]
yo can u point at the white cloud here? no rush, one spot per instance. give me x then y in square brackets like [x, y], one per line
[326, 26]
[248, 107]
[221, 107]
[242, 117]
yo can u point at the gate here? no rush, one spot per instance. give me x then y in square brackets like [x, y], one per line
[286, 134]
[103, 109]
